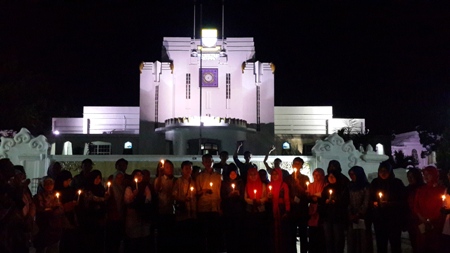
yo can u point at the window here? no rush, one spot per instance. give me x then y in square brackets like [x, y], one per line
[228, 86]
[128, 148]
[188, 86]
[156, 105]
[67, 148]
[258, 108]
[209, 147]
[99, 148]
[128, 145]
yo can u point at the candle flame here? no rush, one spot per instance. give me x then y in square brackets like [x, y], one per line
[307, 183]
[443, 197]
[162, 162]
[57, 195]
[135, 180]
[380, 194]
[270, 187]
[254, 191]
[210, 184]
[331, 191]
[109, 184]
[79, 192]
[233, 185]
[192, 188]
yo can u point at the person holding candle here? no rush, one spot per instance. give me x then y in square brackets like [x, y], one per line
[68, 199]
[359, 233]
[415, 181]
[209, 204]
[164, 184]
[233, 206]
[315, 231]
[388, 215]
[49, 215]
[115, 206]
[427, 208]
[92, 212]
[255, 197]
[53, 171]
[445, 210]
[185, 210]
[299, 205]
[333, 208]
[335, 165]
[137, 223]
[20, 184]
[13, 236]
[281, 206]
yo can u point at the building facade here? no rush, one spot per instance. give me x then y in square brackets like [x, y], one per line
[200, 98]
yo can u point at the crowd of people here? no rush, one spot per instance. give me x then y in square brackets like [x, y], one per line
[223, 207]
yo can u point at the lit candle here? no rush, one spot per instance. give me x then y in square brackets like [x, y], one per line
[270, 188]
[109, 185]
[232, 186]
[295, 172]
[307, 184]
[57, 196]
[162, 162]
[79, 193]
[331, 192]
[254, 191]
[192, 190]
[135, 180]
[210, 184]
[380, 194]
[443, 200]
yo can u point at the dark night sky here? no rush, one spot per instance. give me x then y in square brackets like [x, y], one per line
[387, 63]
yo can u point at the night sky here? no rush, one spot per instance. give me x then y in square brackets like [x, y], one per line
[387, 63]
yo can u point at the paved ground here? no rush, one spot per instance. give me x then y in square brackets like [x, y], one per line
[406, 245]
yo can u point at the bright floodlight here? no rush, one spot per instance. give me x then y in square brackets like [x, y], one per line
[56, 132]
[209, 37]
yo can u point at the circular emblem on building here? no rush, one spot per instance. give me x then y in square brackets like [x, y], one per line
[208, 77]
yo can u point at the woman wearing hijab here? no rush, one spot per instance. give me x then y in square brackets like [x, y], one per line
[255, 197]
[316, 234]
[335, 166]
[93, 212]
[333, 208]
[49, 215]
[233, 206]
[281, 206]
[388, 203]
[359, 234]
[415, 180]
[427, 208]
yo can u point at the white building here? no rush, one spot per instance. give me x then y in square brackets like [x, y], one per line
[409, 144]
[221, 85]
